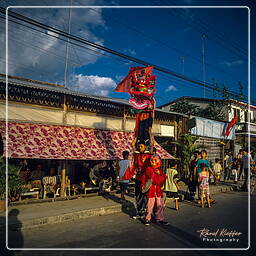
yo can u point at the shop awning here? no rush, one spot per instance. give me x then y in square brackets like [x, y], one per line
[27, 140]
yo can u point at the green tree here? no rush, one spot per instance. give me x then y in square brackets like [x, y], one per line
[186, 146]
[184, 107]
[226, 97]
[216, 89]
[214, 111]
[240, 91]
[225, 93]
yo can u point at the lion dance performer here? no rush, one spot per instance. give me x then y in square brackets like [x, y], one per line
[140, 84]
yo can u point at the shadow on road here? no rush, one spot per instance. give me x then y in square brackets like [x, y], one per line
[127, 206]
[15, 237]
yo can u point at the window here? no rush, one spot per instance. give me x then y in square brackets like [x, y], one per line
[237, 113]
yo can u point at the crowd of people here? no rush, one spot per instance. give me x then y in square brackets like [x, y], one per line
[234, 169]
[154, 186]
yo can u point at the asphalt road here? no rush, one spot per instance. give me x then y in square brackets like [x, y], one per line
[230, 213]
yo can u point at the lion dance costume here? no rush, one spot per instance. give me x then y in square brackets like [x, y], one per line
[140, 84]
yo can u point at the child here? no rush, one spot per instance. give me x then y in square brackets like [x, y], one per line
[203, 180]
[203, 161]
[123, 165]
[154, 192]
[217, 170]
[171, 186]
[235, 167]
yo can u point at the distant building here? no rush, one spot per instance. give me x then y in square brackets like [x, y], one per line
[246, 123]
[237, 108]
[205, 129]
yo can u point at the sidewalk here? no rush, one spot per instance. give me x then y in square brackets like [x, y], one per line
[37, 214]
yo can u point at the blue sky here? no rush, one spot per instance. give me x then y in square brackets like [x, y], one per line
[163, 37]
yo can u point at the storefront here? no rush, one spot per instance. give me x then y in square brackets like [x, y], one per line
[53, 126]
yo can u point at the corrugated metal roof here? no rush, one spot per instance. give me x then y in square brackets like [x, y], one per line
[60, 89]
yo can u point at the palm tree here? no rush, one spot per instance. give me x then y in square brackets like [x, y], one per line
[186, 146]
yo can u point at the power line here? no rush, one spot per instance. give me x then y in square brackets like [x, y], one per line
[97, 46]
[62, 59]
[193, 24]
[141, 33]
[97, 53]
[203, 61]
[209, 33]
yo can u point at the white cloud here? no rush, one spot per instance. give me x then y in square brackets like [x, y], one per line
[130, 51]
[232, 63]
[40, 56]
[93, 84]
[170, 88]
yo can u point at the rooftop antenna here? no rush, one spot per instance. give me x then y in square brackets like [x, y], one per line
[183, 64]
[203, 61]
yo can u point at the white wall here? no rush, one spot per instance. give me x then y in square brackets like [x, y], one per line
[38, 114]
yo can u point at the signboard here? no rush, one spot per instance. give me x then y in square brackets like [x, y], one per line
[167, 130]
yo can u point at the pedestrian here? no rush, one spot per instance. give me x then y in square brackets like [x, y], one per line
[203, 180]
[246, 159]
[123, 165]
[240, 162]
[228, 162]
[193, 176]
[141, 160]
[235, 167]
[217, 170]
[152, 184]
[203, 161]
[171, 185]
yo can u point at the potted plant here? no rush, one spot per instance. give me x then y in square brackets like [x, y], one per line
[14, 182]
[2, 185]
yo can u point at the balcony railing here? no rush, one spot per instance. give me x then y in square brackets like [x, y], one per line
[244, 127]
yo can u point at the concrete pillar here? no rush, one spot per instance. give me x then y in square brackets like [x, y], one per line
[63, 179]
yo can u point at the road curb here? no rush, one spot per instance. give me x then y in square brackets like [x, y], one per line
[38, 222]
[28, 224]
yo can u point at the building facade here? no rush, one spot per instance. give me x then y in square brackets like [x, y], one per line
[44, 106]
[246, 124]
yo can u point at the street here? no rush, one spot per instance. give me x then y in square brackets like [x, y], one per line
[120, 231]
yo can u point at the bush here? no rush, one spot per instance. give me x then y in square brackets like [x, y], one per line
[14, 181]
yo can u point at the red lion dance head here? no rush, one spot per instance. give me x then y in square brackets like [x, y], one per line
[140, 84]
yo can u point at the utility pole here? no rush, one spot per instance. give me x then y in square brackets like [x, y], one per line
[183, 64]
[203, 61]
[67, 46]
[64, 169]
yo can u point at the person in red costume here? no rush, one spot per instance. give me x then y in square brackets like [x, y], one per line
[141, 161]
[152, 183]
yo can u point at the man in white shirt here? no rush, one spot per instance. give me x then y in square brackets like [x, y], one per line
[123, 166]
